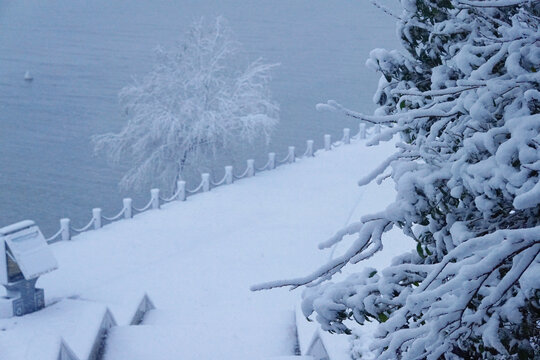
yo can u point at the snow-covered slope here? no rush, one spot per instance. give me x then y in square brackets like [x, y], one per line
[197, 260]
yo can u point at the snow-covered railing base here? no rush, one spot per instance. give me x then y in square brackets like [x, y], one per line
[67, 230]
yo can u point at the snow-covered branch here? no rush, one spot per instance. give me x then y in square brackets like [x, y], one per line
[197, 101]
[494, 3]
[463, 97]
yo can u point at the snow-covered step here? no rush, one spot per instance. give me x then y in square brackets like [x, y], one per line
[142, 342]
[67, 330]
[145, 338]
[165, 335]
[145, 342]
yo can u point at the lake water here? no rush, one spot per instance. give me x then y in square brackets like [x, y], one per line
[81, 53]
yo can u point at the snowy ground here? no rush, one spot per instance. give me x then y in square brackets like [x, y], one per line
[197, 260]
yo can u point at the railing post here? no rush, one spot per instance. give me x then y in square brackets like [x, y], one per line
[271, 161]
[154, 195]
[362, 131]
[64, 225]
[206, 182]
[309, 148]
[181, 185]
[378, 129]
[128, 214]
[346, 136]
[96, 216]
[292, 155]
[228, 174]
[250, 168]
[327, 142]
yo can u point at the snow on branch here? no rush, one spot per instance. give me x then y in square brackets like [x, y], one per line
[368, 241]
[494, 3]
[384, 9]
[442, 111]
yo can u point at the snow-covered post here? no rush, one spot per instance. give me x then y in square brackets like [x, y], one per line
[327, 142]
[309, 148]
[291, 156]
[64, 226]
[128, 214]
[271, 161]
[228, 174]
[181, 188]
[205, 182]
[362, 131]
[154, 195]
[250, 168]
[346, 136]
[96, 218]
[378, 129]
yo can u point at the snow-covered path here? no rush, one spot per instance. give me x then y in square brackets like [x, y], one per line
[197, 260]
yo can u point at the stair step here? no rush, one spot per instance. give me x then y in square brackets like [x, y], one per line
[142, 342]
[165, 335]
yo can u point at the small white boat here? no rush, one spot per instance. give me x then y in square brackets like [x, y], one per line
[28, 76]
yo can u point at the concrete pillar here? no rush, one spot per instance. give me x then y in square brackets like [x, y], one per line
[128, 212]
[250, 167]
[229, 175]
[96, 216]
[206, 182]
[346, 136]
[154, 195]
[271, 161]
[309, 148]
[181, 189]
[327, 142]
[362, 131]
[291, 156]
[64, 225]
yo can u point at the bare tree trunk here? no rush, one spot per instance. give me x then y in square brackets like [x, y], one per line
[181, 164]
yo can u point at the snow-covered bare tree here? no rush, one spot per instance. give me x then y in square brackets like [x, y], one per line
[197, 102]
[464, 98]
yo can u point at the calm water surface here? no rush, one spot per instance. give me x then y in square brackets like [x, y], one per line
[81, 53]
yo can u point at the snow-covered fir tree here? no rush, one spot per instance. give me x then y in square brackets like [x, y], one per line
[464, 98]
[196, 103]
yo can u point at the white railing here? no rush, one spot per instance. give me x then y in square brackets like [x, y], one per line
[182, 192]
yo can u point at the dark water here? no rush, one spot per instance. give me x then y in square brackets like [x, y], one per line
[81, 53]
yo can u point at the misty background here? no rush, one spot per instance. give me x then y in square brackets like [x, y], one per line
[81, 53]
